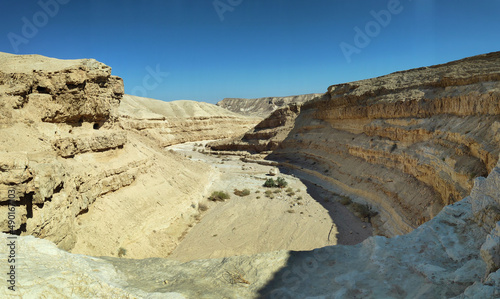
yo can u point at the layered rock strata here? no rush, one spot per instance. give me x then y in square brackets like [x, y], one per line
[263, 107]
[407, 144]
[83, 175]
[265, 136]
[181, 121]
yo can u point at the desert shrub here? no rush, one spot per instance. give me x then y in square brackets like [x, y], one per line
[122, 252]
[258, 191]
[218, 196]
[289, 190]
[281, 182]
[277, 191]
[344, 200]
[363, 210]
[202, 207]
[243, 192]
[299, 198]
[270, 183]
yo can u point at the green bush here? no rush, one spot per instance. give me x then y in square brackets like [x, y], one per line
[270, 183]
[281, 182]
[219, 196]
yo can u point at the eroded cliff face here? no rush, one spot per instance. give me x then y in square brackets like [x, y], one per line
[407, 144]
[265, 136]
[55, 91]
[170, 123]
[263, 107]
[85, 177]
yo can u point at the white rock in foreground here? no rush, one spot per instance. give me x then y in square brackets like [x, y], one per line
[44, 271]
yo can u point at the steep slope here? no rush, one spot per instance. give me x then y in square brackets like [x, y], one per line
[265, 136]
[453, 255]
[263, 107]
[181, 121]
[81, 180]
[407, 143]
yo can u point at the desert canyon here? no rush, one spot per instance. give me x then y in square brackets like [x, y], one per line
[392, 187]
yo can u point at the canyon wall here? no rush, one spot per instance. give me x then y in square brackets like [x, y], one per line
[407, 144]
[170, 123]
[85, 175]
[263, 107]
[265, 136]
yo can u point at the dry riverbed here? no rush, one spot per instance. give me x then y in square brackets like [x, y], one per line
[282, 219]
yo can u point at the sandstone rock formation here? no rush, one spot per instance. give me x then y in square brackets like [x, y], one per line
[451, 256]
[265, 136]
[407, 144]
[263, 107]
[85, 172]
[181, 121]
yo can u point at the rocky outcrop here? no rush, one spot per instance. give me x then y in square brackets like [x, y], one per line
[263, 107]
[407, 144]
[454, 255]
[61, 92]
[70, 146]
[170, 123]
[81, 180]
[265, 136]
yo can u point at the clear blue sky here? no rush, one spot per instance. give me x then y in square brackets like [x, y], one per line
[260, 47]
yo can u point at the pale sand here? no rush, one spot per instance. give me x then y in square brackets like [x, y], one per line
[249, 225]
